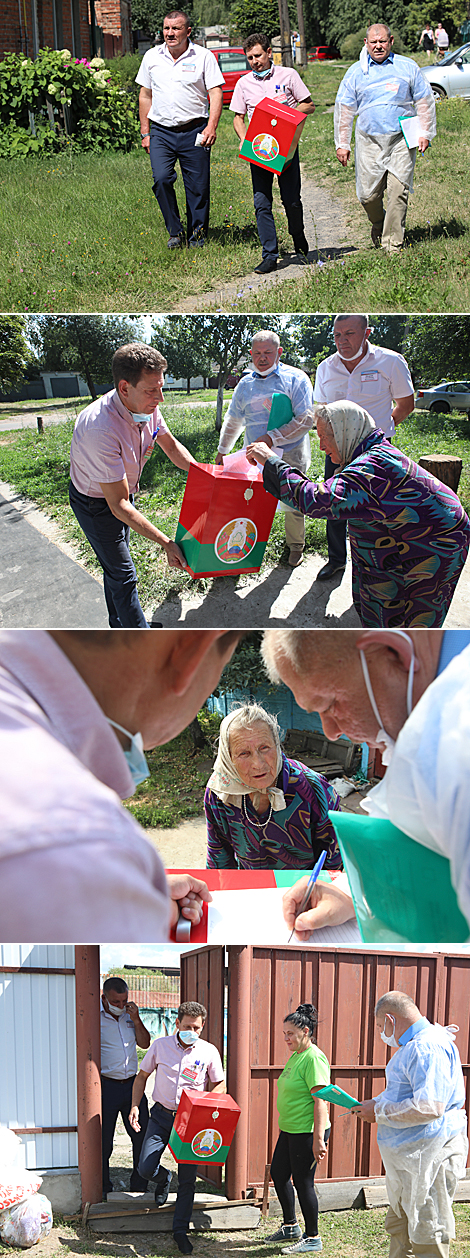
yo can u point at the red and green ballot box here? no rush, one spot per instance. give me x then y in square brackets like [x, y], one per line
[204, 1127]
[226, 517]
[273, 135]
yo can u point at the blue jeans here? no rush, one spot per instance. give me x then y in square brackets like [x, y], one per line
[168, 147]
[109, 538]
[156, 1140]
[289, 188]
[335, 529]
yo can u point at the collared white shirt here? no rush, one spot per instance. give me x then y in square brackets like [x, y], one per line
[108, 444]
[74, 865]
[177, 1067]
[179, 87]
[118, 1045]
[379, 379]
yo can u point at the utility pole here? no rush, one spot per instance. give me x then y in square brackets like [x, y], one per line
[284, 23]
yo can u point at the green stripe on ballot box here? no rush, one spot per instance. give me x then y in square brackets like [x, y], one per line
[402, 891]
[337, 1096]
[272, 163]
[183, 1152]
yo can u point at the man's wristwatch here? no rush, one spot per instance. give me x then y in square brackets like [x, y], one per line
[144, 135]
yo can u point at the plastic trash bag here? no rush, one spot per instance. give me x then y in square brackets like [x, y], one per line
[24, 1224]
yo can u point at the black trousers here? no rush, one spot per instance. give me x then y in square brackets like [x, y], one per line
[293, 1160]
[336, 530]
[116, 1098]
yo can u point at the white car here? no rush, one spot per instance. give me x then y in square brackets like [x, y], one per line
[444, 397]
[451, 76]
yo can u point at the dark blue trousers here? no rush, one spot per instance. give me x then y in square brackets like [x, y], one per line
[336, 530]
[116, 1098]
[156, 1140]
[109, 538]
[168, 147]
[289, 188]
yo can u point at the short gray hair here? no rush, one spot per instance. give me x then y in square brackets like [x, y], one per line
[399, 1004]
[248, 714]
[363, 318]
[266, 335]
[384, 26]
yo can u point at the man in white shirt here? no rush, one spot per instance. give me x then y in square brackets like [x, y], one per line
[180, 1061]
[121, 1031]
[377, 379]
[77, 708]
[112, 439]
[175, 80]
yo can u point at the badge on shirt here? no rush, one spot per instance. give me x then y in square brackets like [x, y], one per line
[190, 1073]
[188, 67]
[369, 375]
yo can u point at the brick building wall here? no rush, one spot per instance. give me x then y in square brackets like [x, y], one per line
[114, 18]
[39, 24]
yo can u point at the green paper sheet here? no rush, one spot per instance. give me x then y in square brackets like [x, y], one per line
[401, 890]
[337, 1096]
[281, 411]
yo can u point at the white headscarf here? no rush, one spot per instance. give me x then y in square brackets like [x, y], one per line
[226, 781]
[350, 424]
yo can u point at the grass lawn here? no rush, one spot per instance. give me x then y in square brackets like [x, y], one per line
[84, 232]
[38, 467]
[345, 1234]
[174, 792]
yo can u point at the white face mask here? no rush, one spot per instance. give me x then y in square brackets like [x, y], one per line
[134, 754]
[382, 736]
[188, 1037]
[268, 371]
[389, 1039]
[114, 1009]
[350, 358]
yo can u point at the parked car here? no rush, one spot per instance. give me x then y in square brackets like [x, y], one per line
[232, 64]
[452, 76]
[444, 397]
[323, 52]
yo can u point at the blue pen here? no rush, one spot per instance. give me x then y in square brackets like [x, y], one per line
[311, 883]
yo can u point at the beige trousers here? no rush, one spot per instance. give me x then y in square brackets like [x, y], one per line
[393, 218]
[294, 521]
[400, 1244]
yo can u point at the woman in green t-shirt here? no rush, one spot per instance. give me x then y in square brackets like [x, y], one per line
[304, 1130]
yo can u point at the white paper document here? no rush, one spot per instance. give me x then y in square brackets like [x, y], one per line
[412, 130]
[255, 916]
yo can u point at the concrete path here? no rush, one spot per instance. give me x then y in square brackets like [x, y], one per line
[331, 232]
[42, 586]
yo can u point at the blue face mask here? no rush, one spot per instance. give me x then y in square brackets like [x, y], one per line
[134, 754]
[141, 418]
[188, 1037]
[263, 74]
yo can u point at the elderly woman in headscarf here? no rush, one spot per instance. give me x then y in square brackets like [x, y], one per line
[263, 810]
[409, 533]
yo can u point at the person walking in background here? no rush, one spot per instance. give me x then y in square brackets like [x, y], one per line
[379, 89]
[427, 39]
[285, 86]
[175, 79]
[122, 1030]
[442, 41]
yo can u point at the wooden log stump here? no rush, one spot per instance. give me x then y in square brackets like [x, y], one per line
[445, 467]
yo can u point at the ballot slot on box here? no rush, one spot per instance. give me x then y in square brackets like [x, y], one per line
[273, 135]
[204, 1127]
[225, 519]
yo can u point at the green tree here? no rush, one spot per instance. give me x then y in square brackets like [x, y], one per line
[437, 347]
[148, 15]
[83, 343]
[248, 16]
[179, 340]
[15, 353]
[245, 670]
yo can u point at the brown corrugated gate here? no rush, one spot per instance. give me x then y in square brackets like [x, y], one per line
[263, 985]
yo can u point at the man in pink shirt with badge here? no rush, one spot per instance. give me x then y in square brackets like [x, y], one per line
[285, 86]
[182, 1060]
[112, 440]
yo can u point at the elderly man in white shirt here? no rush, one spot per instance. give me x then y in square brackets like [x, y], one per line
[122, 1030]
[112, 440]
[175, 79]
[376, 378]
[77, 707]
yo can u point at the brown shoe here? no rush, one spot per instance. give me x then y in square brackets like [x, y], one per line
[296, 555]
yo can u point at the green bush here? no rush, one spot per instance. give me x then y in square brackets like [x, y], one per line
[351, 46]
[56, 101]
[122, 71]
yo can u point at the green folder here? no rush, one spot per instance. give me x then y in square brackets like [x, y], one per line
[337, 1096]
[281, 411]
[402, 891]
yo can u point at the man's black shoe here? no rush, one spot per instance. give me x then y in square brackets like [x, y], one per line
[137, 1184]
[301, 246]
[175, 242]
[161, 1194]
[268, 264]
[330, 569]
[183, 1242]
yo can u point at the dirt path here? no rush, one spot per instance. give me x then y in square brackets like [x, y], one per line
[331, 230]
